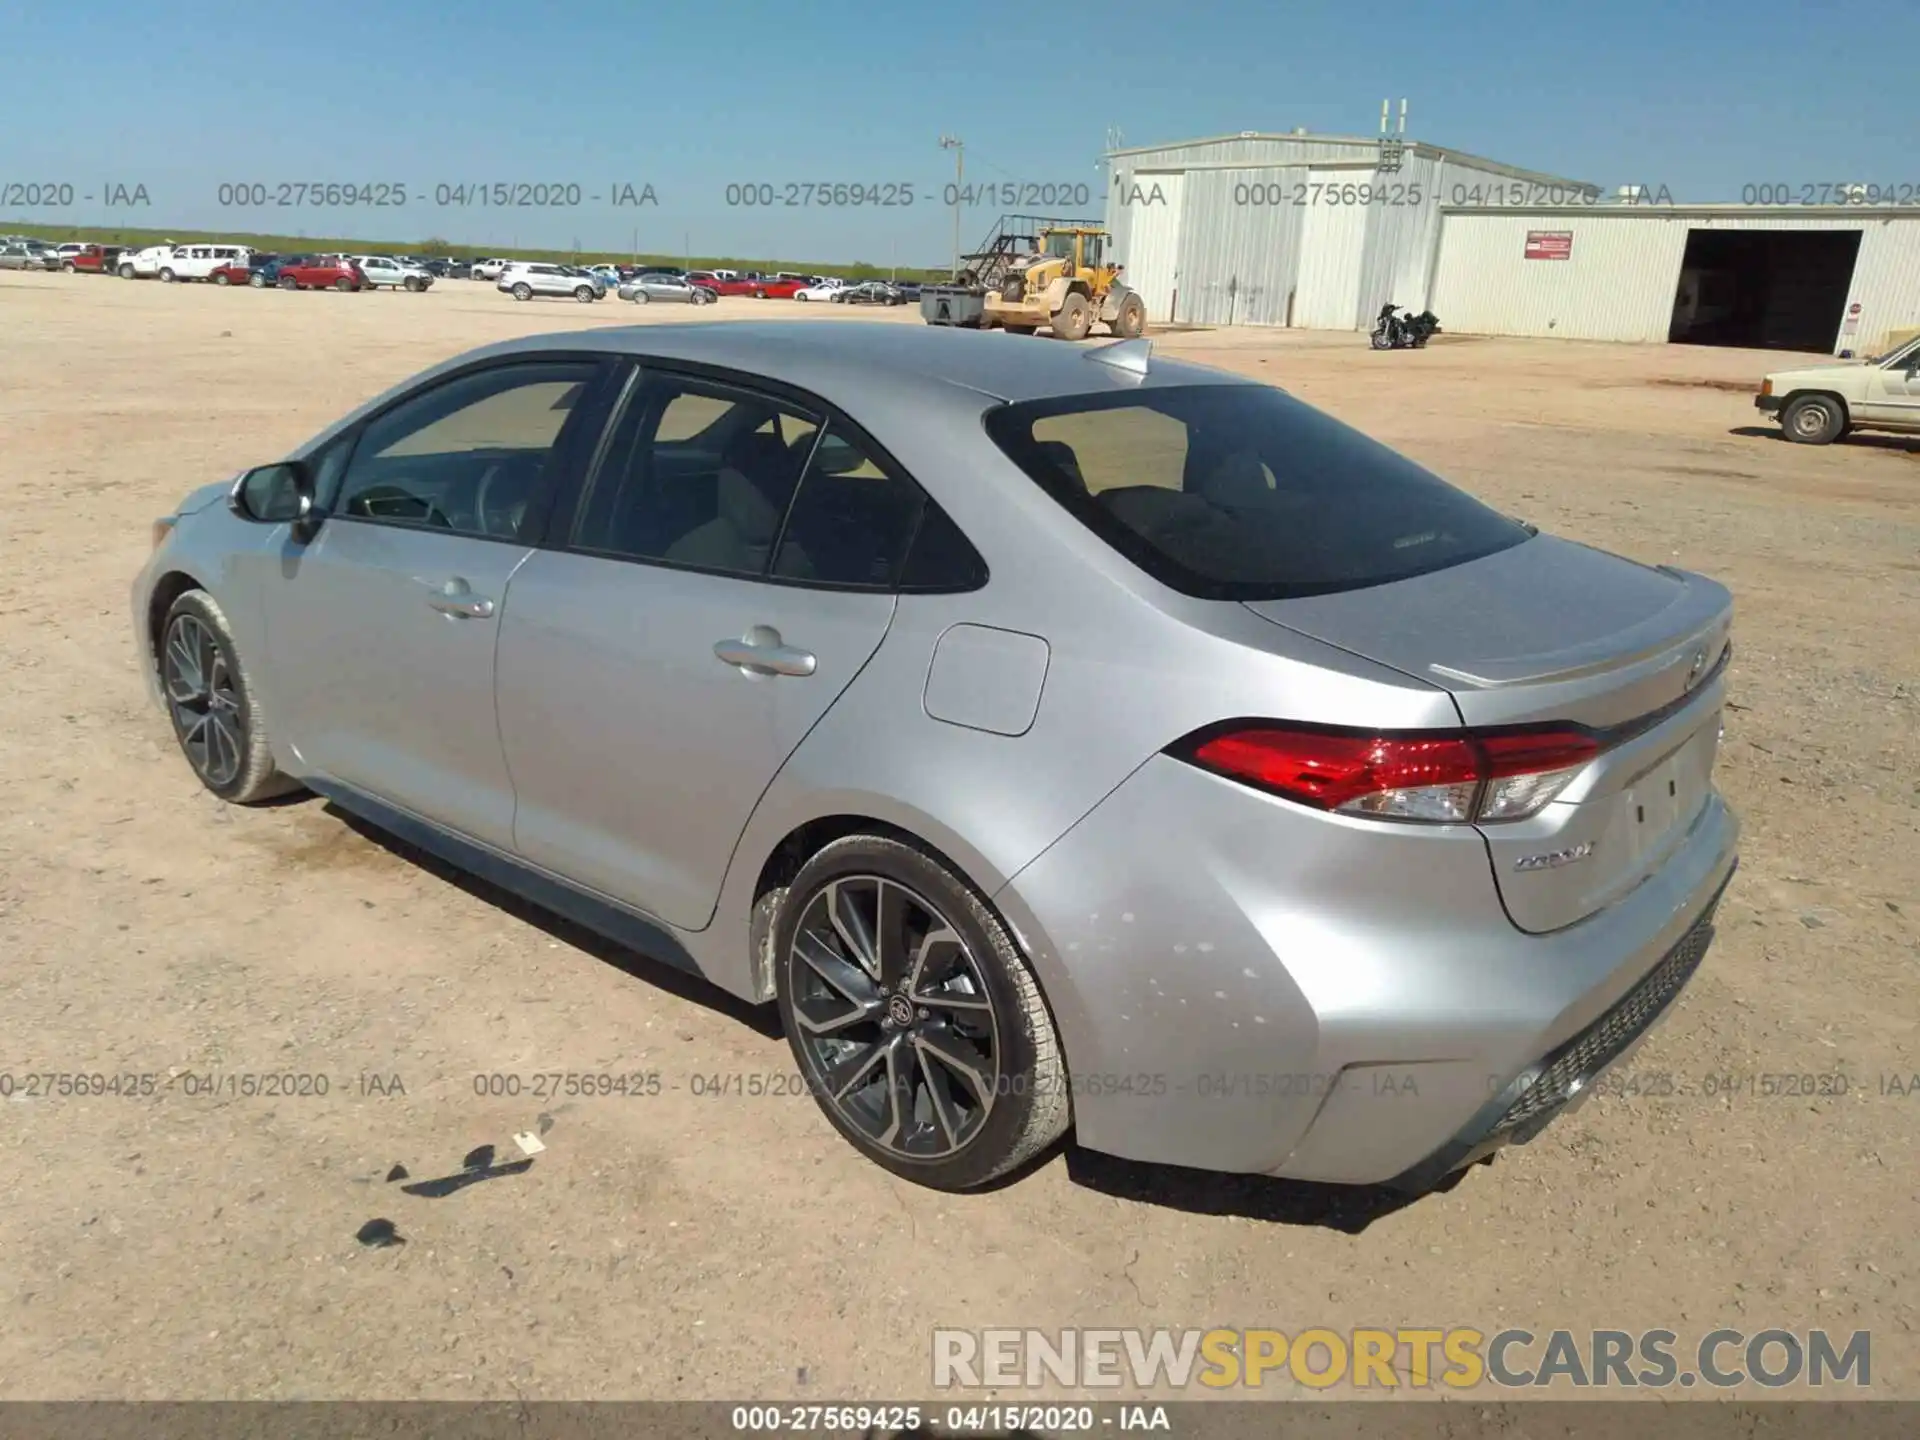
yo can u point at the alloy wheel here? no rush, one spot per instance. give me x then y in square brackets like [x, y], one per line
[895, 1017]
[203, 696]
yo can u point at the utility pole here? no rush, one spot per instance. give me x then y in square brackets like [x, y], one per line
[959, 148]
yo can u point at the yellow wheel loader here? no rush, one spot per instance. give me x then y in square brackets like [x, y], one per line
[1067, 286]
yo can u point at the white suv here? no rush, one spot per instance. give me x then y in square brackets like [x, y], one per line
[384, 270]
[1818, 405]
[198, 262]
[146, 263]
[524, 280]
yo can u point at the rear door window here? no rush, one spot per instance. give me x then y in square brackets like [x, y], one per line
[1241, 492]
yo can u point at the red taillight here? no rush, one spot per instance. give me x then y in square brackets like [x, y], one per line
[1457, 777]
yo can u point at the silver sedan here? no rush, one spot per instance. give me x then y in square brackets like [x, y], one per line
[24, 256]
[1056, 737]
[673, 289]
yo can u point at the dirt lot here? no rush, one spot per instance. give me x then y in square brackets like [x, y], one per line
[732, 1246]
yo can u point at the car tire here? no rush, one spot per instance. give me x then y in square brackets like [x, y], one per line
[412, 283]
[68, 266]
[287, 282]
[257, 280]
[167, 276]
[759, 294]
[522, 291]
[985, 1013]
[126, 272]
[343, 285]
[583, 293]
[1074, 318]
[220, 277]
[1813, 420]
[217, 716]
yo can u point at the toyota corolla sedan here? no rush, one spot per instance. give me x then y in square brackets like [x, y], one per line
[1058, 738]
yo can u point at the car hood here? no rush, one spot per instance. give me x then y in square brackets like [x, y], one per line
[1816, 374]
[206, 495]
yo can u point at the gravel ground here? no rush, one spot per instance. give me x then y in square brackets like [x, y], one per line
[731, 1245]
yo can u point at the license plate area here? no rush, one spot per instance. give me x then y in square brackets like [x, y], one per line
[1665, 796]
[1580, 855]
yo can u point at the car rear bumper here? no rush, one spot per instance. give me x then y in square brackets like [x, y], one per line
[1562, 1080]
[1286, 992]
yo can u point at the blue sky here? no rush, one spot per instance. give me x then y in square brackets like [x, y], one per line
[181, 98]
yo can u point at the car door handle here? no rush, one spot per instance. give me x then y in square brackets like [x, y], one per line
[456, 598]
[761, 652]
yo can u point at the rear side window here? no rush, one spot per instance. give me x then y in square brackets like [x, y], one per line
[852, 520]
[1240, 492]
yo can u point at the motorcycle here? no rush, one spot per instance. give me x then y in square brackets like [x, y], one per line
[1393, 331]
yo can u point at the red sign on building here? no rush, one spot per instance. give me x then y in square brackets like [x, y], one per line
[1549, 244]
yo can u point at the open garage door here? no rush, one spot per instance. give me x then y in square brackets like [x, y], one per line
[1764, 289]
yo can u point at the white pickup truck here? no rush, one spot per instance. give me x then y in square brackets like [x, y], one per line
[1818, 405]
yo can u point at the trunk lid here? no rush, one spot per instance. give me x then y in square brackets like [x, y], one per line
[1549, 630]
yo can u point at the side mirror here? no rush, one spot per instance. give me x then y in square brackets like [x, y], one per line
[277, 495]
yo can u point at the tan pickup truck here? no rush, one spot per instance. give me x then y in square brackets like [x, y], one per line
[1818, 405]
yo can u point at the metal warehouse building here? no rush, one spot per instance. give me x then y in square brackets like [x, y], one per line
[1320, 231]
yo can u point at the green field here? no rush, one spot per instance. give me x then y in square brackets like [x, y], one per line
[308, 244]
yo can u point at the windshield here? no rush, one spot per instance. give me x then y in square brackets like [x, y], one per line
[1240, 492]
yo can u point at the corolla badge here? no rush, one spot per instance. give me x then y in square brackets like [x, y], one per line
[1554, 859]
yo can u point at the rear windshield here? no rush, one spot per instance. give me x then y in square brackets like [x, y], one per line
[1240, 492]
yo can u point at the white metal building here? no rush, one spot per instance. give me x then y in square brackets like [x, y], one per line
[1317, 231]
[1788, 277]
[1320, 231]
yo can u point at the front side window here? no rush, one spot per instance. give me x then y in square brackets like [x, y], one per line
[1240, 492]
[469, 455]
[697, 474]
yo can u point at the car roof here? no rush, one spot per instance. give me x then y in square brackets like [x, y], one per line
[836, 360]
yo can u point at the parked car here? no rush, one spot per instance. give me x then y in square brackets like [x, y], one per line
[199, 262]
[525, 279]
[320, 272]
[870, 292]
[1397, 789]
[16, 256]
[776, 289]
[489, 269]
[1821, 403]
[66, 252]
[910, 289]
[671, 288]
[92, 260]
[828, 289]
[720, 282]
[390, 273]
[144, 263]
[32, 254]
[251, 271]
[264, 271]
